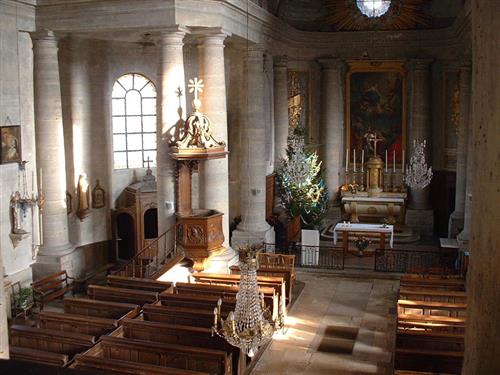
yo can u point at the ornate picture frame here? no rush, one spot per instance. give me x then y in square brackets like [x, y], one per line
[10, 151]
[299, 101]
[98, 196]
[376, 100]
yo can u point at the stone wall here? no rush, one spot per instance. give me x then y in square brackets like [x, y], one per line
[482, 349]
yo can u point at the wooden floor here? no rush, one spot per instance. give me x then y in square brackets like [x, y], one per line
[337, 326]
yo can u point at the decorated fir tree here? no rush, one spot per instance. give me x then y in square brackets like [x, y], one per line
[300, 185]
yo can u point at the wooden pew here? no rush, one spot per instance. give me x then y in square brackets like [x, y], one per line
[197, 302]
[149, 285]
[38, 356]
[431, 322]
[426, 294]
[114, 366]
[103, 309]
[436, 361]
[48, 340]
[89, 325]
[180, 315]
[51, 287]
[432, 282]
[107, 293]
[453, 309]
[416, 339]
[277, 261]
[168, 355]
[175, 334]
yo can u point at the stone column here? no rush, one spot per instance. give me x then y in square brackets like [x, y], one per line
[56, 252]
[456, 221]
[170, 109]
[332, 123]
[280, 109]
[4, 328]
[253, 227]
[419, 214]
[214, 174]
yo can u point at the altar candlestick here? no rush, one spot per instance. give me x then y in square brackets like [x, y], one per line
[41, 181]
[386, 160]
[394, 161]
[354, 160]
[362, 159]
[346, 159]
[33, 181]
[403, 162]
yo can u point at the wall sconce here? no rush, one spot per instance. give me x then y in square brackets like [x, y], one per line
[83, 195]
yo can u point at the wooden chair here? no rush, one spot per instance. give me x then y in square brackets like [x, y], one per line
[51, 287]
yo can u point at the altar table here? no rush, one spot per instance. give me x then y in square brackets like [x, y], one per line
[345, 228]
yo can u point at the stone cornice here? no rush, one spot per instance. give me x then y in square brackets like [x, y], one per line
[263, 27]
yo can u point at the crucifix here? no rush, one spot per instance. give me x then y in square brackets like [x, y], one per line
[195, 86]
[372, 137]
[148, 160]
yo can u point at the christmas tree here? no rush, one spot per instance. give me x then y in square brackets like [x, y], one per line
[300, 185]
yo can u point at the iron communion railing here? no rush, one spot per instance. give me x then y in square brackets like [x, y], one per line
[324, 257]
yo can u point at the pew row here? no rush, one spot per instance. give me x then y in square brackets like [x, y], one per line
[181, 315]
[38, 356]
[149, 285]
[434, 295]
[89, 325]
[103, 309]
[452, 309]
[107, 293]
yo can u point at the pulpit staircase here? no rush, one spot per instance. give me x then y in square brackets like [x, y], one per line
[154, 259]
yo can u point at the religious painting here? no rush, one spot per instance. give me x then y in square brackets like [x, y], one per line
[98, 196]
[451, 113]
[11, 144]
[298, 101]
[376, 104]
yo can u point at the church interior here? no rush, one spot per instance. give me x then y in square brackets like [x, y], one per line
[250, 187]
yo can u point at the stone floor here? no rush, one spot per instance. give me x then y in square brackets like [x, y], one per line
[338, 325]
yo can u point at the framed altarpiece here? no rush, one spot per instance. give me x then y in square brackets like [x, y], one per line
[376, 102]
[299, 102]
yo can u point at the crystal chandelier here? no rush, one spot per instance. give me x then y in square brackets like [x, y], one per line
[300, 168]
[373, 8]
[251, 325]
[418, 176]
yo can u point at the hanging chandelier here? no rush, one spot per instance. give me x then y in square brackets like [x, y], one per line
[418, 176]
[373, 8]
[252, 324]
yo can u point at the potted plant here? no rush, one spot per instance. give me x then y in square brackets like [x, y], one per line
[303, 193]
[24, 298]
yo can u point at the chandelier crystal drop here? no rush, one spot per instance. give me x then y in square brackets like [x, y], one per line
[373, 8]
[418, 175]
[251, 325]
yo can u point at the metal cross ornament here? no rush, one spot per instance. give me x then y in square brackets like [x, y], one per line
[195, 85]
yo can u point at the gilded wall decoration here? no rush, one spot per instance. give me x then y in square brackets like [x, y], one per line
[298, 101]
[376, 103]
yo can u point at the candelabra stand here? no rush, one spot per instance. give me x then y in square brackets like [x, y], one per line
[397, 182]
[387, 175]
[361, 180]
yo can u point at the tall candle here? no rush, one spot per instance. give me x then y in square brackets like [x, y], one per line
[362, 159]
[394, 161]
[354, 160]
[41, 181]
[403, 161]
[32, 181]
[386, 161]
[346, 159]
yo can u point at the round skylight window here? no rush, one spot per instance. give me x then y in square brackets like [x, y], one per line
[373, 8]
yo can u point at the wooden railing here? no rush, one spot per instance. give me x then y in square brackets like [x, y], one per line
[147, 262]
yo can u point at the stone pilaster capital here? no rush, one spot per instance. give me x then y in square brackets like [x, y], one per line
[45, 37]
[172, 35]
[418, 65]
[281, 61]
[332, 63]
[211, 37]
[255, 52]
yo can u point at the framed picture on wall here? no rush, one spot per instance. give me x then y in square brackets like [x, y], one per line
[299, 102]
[11, 144]
[376, 102]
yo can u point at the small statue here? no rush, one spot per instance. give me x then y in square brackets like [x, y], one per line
[15, 212]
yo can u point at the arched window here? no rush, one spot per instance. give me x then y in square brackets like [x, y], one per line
[134, 122]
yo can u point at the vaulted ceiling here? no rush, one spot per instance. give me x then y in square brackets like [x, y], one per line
[343, 15]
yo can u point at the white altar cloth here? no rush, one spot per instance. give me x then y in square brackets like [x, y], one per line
[354, 227]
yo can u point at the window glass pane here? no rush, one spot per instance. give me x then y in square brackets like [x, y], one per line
[149, 141]
[134, 141]
[139, 81]
[149, 106]
[152, 157]
[118, 124]
[135, 159]
[119, 143]
[149, 91]
[120, 160]
[149, 123]
[134, 124]
[118, 91]
[126, 81]
[133, 103]
[118, 107]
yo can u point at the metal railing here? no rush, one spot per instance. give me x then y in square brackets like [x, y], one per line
[151, 258]
[324, 257]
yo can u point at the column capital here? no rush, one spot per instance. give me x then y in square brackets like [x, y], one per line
[332, 63]
[47, 38]
[172, 35]
[420, 64]
[214, 36]
[280, 61]
[255, 52]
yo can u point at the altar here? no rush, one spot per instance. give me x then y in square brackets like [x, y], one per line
[360, 207]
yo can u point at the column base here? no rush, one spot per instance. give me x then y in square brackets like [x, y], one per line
[221, 263]
[421, 221]
[455, 224]
[244, 238]
[45, 265]
[463, 240]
